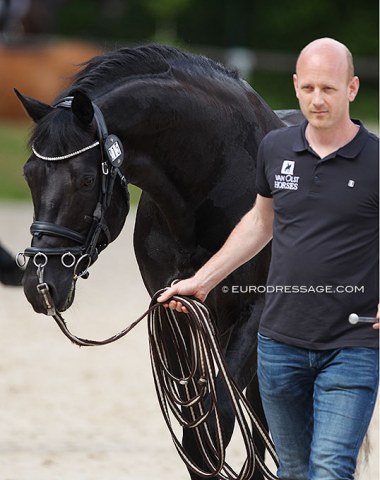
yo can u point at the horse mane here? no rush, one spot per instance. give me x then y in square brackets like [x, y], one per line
[104, 72]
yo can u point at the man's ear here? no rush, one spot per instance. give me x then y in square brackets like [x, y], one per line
[353, 88]
[82, 108]
[295, 83]
[34, 108]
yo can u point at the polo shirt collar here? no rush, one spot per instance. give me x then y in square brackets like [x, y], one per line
[351, 150]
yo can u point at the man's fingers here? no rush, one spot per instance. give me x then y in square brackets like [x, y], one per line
[173, 305]
[168, 302]
[165, 295]
[177, 306]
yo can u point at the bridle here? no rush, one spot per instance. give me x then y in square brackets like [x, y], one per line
[87, 247]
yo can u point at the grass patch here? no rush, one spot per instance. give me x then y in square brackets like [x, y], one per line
[13, 154]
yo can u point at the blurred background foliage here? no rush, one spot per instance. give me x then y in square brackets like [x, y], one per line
[284, 25]
[259, 38]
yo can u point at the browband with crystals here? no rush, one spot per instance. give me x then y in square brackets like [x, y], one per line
[64, 157]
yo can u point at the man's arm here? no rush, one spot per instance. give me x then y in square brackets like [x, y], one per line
[247, 239]
[376, 326]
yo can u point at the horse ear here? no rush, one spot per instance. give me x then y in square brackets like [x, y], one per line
[82, 108]
[34, 108]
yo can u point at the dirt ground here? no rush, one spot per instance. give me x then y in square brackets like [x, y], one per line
[70, 413]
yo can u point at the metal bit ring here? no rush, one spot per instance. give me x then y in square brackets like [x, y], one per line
[67, 263]
[84, 271]
[20, 260]
[44, 259]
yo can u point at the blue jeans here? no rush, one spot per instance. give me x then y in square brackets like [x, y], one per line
[318, 405]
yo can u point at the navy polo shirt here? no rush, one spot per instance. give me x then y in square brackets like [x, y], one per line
[325, 239]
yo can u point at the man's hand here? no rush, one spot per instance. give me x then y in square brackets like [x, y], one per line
[188, 287]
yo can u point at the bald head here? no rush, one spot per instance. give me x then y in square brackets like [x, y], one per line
[327, 50]
[325, 85]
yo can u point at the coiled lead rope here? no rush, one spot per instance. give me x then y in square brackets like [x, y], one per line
[186, 360]
[190, 393]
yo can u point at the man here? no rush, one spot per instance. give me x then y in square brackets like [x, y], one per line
[318, 196]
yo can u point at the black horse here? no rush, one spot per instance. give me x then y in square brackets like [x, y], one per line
[190, 130]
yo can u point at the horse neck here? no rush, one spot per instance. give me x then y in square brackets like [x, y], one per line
[146, 172]
[175, 137]
[155, 140]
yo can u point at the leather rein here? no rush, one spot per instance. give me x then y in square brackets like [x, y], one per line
[190, 397]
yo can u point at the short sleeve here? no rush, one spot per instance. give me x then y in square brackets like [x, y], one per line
[262, 185]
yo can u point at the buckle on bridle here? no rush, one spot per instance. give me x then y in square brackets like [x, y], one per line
[40, 260]
[43, 289]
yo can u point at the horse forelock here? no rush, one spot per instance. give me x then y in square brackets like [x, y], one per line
[102, 73]
[57, 134]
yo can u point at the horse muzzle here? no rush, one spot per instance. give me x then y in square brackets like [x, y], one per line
[49, 289]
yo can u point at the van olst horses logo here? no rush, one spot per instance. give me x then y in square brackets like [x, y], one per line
[286, 180]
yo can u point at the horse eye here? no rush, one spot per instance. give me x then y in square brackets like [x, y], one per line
[87, 181]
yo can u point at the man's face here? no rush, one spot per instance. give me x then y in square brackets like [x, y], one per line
[324, 90]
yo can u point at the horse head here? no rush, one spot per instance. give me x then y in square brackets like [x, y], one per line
[79, 195]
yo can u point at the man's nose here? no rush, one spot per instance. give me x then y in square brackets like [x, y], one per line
[317, 99]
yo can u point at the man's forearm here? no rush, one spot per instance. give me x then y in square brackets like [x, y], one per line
[247, 239]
